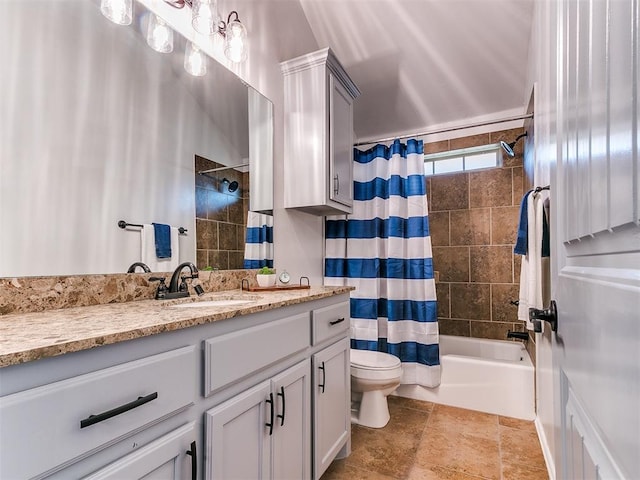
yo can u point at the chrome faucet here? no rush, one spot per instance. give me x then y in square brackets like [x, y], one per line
[178, 290]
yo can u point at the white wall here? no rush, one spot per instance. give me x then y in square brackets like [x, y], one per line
[55, 173]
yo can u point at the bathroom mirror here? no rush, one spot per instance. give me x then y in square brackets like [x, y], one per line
[97, 127]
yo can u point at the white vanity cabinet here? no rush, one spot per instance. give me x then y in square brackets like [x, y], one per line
[264, 432]
[318, 153]
[331, 386]
[236, 398]
[173, 456]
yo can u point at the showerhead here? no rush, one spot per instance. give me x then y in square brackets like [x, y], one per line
[232, 186]
[508, 147]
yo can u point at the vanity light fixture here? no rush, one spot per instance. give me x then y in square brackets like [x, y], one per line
[159, 35]
[204, 14]
[118, 11]
[235, 38]
[195, 62]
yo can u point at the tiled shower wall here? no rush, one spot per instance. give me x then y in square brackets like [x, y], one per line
[221, 217]
[473, 223]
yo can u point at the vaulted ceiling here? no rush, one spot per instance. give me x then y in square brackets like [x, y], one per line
[426, 63]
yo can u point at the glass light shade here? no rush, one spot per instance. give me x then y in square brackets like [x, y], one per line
[159, 35]
[204, 16]
[118, 11]
[235, 42]
[195, 62]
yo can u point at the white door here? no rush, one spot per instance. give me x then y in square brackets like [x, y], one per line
[331, 394]
[596, 204]
[238, 438]
[291, 442]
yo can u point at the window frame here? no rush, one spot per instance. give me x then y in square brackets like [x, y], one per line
[433, 158]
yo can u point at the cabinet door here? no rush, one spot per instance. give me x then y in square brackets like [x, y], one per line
[238, 440]
[340, 143]
[291, 442]
[171, 457]
[331, 394]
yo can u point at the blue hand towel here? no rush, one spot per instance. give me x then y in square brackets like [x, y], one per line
[520, 247]
[163, 240]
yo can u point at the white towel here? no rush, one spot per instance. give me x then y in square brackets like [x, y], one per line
[532, 270]
[148, 250]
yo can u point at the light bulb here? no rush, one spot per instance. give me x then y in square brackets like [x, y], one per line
[195, 62]
[204, 16]
[159, 35]
[235, 42]
[118, 11]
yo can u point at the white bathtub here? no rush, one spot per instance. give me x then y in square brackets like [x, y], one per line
[492, 376]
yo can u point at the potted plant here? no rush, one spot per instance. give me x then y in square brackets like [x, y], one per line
[266, 277]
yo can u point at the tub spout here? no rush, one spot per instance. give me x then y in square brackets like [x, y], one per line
[519, 335]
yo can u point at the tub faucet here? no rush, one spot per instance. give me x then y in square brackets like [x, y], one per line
[179, 290]
[519, 335]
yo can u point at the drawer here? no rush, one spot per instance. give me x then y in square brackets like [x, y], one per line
[55, 421]
[236, 355]
[330, 321]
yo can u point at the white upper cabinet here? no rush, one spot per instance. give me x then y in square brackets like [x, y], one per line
[318, 155]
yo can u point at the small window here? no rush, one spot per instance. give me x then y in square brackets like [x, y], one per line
[462, 160]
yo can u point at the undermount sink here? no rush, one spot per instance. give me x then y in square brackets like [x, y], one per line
[213, 303]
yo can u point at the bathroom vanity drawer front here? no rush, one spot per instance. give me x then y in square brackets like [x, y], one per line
[236, 355]
[49, 427]
[330, 321]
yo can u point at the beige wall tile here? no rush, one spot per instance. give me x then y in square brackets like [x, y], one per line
[206, 235]
[437, 147]
[452, 263]
[228, 236]
[450, 192]
[439, 228]
[442, 294]
[459, 328]
[470, 227]
[202, 259]
[501, 295]
[219, 259]
[504, 225]
[517, 265]
[470, 301]
[470, 141]
[494, 330]
[490, 188]
[493, 264]
[518, 185]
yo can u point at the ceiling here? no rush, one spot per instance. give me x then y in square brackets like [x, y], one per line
[422, 64]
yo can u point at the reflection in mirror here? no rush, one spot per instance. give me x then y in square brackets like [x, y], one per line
[97, 127]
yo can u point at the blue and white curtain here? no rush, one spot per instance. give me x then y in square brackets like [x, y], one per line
[258, 247]
[384, 250]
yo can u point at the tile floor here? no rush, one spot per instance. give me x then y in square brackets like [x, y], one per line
[426, 441]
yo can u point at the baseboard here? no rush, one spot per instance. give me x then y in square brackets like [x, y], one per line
[546, 451]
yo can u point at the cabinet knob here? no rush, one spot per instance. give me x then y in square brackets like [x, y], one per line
[281, 417]
[336, 184]
[270, 424]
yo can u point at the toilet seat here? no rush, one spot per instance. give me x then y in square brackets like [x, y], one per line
[372, 360]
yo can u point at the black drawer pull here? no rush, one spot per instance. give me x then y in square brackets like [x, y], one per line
[270, 424]
[324, 376]
[194, 461]
[281, 394]
[335, 322]
[93, 419]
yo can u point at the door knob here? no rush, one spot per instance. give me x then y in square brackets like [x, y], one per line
[548, 315]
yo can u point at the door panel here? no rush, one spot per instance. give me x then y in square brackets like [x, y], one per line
[597, 241]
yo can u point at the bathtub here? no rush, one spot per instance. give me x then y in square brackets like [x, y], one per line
[492, 376]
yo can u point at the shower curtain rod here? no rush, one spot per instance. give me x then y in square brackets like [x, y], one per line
[449, 129]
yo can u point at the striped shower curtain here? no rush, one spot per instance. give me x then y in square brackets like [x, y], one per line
[384, 250]
[258, 247]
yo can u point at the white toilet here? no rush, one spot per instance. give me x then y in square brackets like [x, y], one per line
[374, 375]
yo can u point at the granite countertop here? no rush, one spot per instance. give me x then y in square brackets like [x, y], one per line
[32, 336]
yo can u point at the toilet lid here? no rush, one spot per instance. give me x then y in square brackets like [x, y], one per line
[368, 359]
